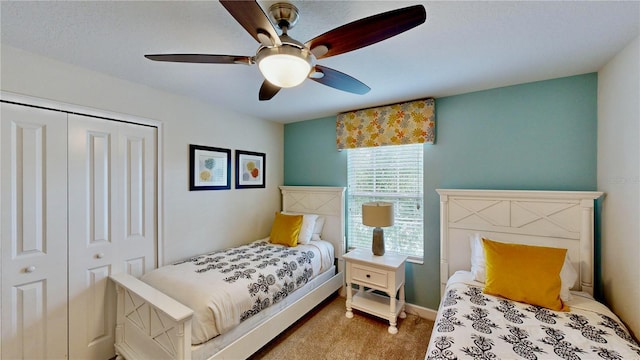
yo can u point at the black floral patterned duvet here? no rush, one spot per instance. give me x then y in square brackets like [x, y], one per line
[473, 325]
[226, 287]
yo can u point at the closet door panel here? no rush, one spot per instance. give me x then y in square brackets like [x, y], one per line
[93, 207]
[33, 231]
[137, 251]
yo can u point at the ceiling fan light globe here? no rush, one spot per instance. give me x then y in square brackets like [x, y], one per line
[284, 66]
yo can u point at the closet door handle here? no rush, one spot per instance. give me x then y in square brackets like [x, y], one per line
[99, 255]
[30, 269]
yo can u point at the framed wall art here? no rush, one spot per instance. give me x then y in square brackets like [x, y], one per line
[209, 168]
[250, 169]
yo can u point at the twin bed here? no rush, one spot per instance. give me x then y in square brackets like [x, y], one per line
[229, 303]
[472, 324]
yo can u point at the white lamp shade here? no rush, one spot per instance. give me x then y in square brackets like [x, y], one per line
[284, 66]
[377, 214]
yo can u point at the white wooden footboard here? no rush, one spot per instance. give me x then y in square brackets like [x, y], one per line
[150, 324]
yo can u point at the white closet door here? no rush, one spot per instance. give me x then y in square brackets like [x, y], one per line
[33, 228]
[112, 222]
[137, 238]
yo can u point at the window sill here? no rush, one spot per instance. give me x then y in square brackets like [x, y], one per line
[410, 259]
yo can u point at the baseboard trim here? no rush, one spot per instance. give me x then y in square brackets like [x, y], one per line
[420, 311]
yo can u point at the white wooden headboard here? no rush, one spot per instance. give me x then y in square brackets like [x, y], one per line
[327, 201]
[562, 219]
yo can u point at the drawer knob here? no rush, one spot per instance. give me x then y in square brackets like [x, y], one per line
[99, 255]
[30, 269]
[368, 276]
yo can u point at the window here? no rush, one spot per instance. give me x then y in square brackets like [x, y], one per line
[392, 174]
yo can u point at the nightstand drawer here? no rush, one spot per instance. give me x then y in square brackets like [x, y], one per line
[363, 274]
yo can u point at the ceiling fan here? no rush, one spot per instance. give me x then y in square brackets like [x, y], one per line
[286, 62]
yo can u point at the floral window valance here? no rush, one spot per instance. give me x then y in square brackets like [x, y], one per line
[406, 123]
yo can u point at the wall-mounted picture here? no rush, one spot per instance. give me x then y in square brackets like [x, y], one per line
[210, 168]
[250, 169]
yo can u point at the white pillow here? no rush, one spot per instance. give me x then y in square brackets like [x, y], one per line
[568, 274]
[307, 227]
[317, 230]
[478, 263]
[568, 277]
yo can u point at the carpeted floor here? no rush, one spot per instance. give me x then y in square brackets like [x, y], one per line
[326, 333]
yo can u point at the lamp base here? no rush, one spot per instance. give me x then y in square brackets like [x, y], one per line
[377, 245]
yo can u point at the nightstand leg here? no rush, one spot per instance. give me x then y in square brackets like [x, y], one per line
[403, 314]
[349, 313]
[392, 318]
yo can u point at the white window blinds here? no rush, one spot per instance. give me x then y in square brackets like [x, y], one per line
[391, 174]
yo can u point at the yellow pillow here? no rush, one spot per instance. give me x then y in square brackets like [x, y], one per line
[529, 274]
[285, 229]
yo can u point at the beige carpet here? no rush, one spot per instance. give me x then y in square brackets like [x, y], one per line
[326, 333]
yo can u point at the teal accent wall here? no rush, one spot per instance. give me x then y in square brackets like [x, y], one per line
[534, 136]
[310, 154]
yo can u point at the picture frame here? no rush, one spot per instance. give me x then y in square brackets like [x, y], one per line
[250, 169]
[209, 168]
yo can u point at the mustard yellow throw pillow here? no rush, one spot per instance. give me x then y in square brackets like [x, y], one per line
[529, 274]
[285, 229]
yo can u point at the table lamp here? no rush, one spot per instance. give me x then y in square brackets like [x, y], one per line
[378, 215]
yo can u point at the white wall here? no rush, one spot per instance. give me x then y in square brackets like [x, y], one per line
[194, 221]
[619, 178]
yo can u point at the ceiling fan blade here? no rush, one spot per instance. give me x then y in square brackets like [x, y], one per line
[367, 31]
[267, 91]
[202, 58]
[250, 15]
[338, 80]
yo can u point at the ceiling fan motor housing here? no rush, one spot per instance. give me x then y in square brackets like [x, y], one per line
[286, 65]
[284, 15]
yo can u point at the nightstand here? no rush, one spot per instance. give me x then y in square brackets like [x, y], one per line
[384, 273]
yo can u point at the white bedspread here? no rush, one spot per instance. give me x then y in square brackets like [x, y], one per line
[473, 325]
[226, 287]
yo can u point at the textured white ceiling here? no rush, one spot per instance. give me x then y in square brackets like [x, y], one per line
[463, 46]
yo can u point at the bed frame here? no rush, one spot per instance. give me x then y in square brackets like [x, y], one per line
[561, 219]
[151, 325]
